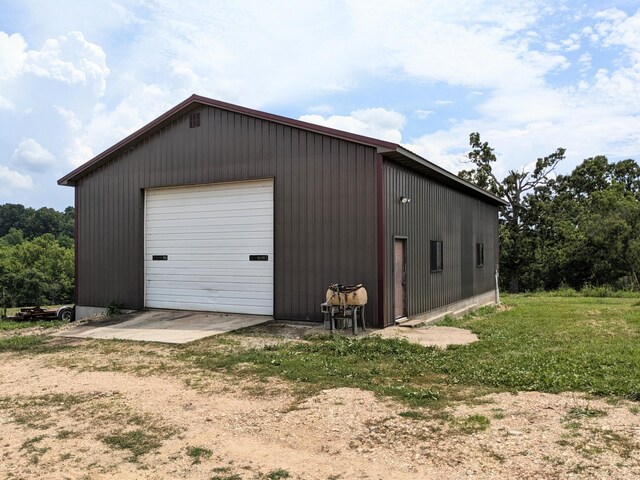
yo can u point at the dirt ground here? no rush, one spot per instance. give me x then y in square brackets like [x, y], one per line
[97, 415]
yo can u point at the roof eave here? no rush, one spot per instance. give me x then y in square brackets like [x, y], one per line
[448, 175]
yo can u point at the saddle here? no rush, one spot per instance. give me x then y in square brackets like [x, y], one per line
[346, 295]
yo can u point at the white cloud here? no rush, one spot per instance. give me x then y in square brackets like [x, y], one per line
[78, 153]
[599, 114]
[422, 114]
[6, 104]
[33, 156]
[322, 108]
[10, 179]
[372, 122]
[585, 61]
[106, 126]
[12, 54]
[572, 43]
[69, 117]
[70, 59]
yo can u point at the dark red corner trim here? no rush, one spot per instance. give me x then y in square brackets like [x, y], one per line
[380, 238]
[75, 246]
[192, 103]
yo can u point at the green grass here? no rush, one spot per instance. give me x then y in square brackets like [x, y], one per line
[19, 325]
[139, 442]
[276, 474]
[198, 453]
[552, 344]
[588, 291]
[586, 412]
[539, 342]
[413, 415]
[21, 343]
[34, 452]
[27, 344]
[473, 424]
[388, 367]
[536, 343]
[234, 476]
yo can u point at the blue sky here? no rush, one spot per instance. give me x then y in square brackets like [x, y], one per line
[530, 76]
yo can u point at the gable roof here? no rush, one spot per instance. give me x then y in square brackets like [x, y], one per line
[390, 150]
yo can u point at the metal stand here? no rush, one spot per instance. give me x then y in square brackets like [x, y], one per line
[347, 313]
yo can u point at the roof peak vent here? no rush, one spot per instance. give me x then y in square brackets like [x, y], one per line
[194, 119]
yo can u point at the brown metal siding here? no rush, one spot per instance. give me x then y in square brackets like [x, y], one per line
[325, 207]
[436, 212]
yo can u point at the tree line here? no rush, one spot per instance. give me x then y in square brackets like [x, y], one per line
[575, 230]
[36, 256]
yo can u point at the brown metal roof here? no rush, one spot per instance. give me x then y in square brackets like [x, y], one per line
[390, 150]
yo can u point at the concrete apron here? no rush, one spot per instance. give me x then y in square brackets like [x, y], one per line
[166, 326]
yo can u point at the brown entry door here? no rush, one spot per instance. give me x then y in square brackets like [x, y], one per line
[400, 277]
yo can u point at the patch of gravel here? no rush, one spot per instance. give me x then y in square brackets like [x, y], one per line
[274, 333]
[430, 336]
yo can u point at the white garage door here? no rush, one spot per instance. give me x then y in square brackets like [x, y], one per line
[210, 248]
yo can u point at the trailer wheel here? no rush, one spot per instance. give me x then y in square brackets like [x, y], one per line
[66, 315]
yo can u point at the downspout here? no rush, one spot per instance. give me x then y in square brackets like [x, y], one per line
[497, 275]
[75, 244]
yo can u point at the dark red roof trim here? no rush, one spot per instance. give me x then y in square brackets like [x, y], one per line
[193, 102]
[392, 150]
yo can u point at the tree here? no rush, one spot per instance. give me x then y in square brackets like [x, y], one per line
[39, 271]
[12, 216]
[36, 255]
[34, 223]
[515, 188]
[598, 206]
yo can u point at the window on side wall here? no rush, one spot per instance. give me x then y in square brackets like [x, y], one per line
[436, 256]
[479, 254]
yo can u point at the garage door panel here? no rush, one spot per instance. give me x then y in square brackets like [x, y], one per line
[215, 302]
[195, 207]
[196, 240]
[214, 292]
[214, 307]
[188, 222]
[207, 234]
[259, 281]
[211, 260]
[222, 275]
[220, 230]
[204, 297]
[207, 285]
[204, 192]
[220, 262]
[252, 210]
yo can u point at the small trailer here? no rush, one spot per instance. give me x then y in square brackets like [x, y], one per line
[65, 313]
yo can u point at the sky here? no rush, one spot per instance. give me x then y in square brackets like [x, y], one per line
[530, 76]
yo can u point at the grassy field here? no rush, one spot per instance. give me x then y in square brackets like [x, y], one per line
[540, 342]
[543, 343]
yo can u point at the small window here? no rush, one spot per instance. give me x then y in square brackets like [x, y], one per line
[479, 254]
[194, 120]
[436, 256]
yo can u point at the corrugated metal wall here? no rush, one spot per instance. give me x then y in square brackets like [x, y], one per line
[436, 212]
[325, 207]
